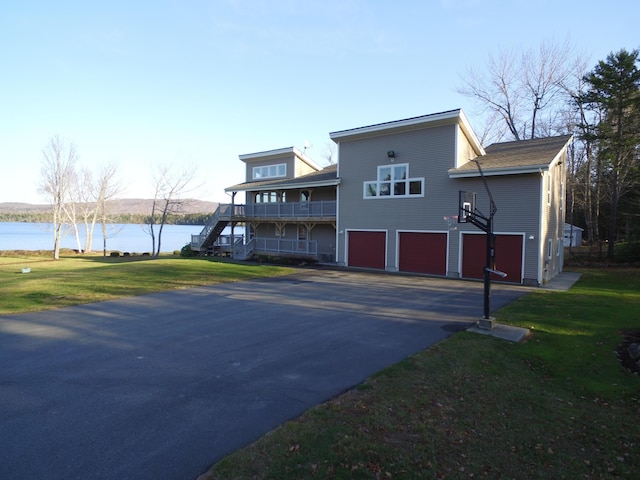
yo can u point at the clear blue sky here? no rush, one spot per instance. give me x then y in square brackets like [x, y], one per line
[144, 82]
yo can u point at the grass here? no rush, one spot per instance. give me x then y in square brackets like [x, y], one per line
[558, 405]
[78, 279]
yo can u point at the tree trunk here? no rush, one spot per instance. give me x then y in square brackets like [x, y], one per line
[613, 220]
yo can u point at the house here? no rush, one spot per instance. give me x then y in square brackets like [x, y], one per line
[290, 209]
[392, 202]
[572, 235]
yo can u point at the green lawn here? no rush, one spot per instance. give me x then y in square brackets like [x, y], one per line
[558, 405]
[78, 279]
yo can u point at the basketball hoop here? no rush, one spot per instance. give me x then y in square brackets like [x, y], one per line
[452, 221]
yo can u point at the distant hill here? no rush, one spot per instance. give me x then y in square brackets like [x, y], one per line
[134, 206]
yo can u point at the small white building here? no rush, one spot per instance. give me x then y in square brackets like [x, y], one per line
[572, 235]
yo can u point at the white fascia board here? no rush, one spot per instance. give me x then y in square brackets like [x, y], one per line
[388, 127]
[561, 152]
[499, 171]
[471, 135]
[326, 183]
[433, 120]
[278, 153]
[267, 154]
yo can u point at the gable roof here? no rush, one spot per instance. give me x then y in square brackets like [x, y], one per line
[521, 156]
[328, 176]
[450, 117]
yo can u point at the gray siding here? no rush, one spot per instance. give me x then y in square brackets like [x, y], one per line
[429, 154]
[554, 214]
[325, 235]
[289, 160]
[322, 193]
[517, 198]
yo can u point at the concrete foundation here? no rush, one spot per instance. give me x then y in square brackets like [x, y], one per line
[486, 323]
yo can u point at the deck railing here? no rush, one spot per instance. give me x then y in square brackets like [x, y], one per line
[227, 212]
[281, 245]
[321, 208]
[225, 240]
[223, 213]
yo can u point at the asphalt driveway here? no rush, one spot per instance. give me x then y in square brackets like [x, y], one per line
[162, 386]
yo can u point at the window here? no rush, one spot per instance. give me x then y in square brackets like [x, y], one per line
[549, 189]
[266, 197]
[394, 181]
[270, 171]
[549, 248]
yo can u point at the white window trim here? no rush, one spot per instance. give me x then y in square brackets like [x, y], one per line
[256, 172]
[377, 183]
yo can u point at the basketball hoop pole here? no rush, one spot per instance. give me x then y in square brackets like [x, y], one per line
[486, 225]
[490, 258]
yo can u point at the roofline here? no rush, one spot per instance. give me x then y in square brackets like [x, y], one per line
[511, 170]
[291, 186]
[561, 151]
[413, 123]
[499, 171]
[468, 131]
[278, 153]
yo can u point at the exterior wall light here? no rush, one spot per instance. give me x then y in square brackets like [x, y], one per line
[391, 154]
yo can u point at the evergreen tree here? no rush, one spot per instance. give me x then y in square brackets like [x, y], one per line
[613, 87]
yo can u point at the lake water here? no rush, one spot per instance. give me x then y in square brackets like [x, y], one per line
[125, 238]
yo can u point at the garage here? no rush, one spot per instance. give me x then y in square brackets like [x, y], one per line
[508, 256]
[422, 252]
[367, 249]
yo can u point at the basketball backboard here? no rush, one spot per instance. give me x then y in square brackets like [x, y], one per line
[466, 205]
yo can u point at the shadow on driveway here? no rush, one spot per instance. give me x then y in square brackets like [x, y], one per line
[161, 386]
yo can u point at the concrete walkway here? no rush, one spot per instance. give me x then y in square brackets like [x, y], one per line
[161, 386]
[563, 282]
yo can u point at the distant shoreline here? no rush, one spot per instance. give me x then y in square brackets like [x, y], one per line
[131, 206]
[124, 211]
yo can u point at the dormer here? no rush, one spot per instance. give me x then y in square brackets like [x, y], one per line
[277, 164]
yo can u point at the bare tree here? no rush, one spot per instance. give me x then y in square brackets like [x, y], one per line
[86, 205]
[584, 186]
[57, 183]
[108, 188]
[330, 153]
[524, 91]
[497, 91]
[93, 194]
[170, 186]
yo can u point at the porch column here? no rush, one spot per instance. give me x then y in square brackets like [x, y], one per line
[233, 224]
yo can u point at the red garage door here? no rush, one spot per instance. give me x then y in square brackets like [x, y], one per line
[423, 252]
[367, 249]
[508, 256]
